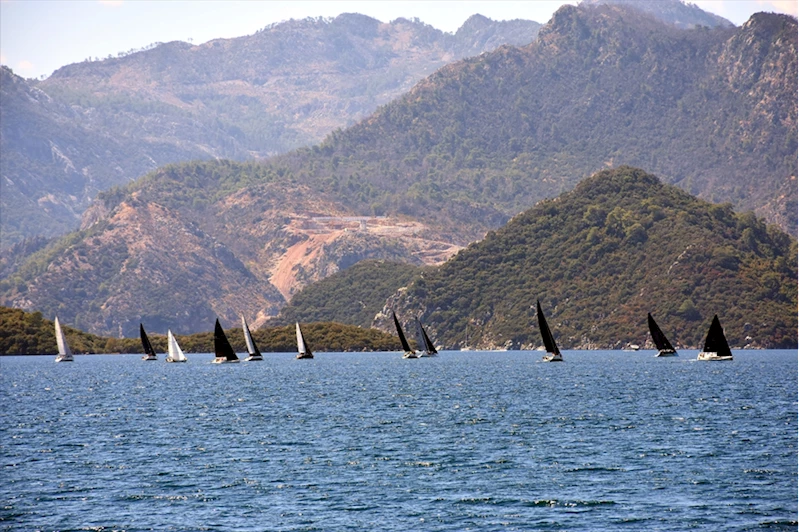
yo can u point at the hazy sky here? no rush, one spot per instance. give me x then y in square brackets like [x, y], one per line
[39, 36]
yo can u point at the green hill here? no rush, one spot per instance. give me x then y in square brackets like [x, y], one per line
[353, 296]
[603, 255]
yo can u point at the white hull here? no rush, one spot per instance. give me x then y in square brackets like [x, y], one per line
[64, 358]
[221, 360]
[170, 359]
[409, 354]
[712, 357]
[551, 357]
[303, 355]
[666, 353]
[149, 357]
[253, 358]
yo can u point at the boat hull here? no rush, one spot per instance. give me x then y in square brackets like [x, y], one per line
[149, 357]
[666, 353]
[713, 357]
[551, 357]
[220, 360]
[169, 359]
[64, 358]
[301, 356]
[410, 354]
[254, 358]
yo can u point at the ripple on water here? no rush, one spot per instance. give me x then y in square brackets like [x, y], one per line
[482, 441]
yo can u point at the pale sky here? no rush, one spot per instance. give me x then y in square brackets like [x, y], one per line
[39, 36]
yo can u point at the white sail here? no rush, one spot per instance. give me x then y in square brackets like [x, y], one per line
[300, 341]
[247, 337]
[175, 352]
[64, 352]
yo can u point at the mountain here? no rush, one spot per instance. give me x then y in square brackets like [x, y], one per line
[680, 14]
[96, 124]
[354, 296]
[712, 110]
[602, 256]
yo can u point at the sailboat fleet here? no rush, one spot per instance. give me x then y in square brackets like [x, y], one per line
[715, 347]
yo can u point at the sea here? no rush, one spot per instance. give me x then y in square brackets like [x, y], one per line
[604, 441]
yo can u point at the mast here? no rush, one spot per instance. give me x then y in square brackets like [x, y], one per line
[716, 342]
[546, 334]
[403, 341]
[252, 349]
[145, 342]
[661, 342]
[222, 346]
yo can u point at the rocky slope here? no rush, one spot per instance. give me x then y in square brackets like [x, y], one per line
[96, 124]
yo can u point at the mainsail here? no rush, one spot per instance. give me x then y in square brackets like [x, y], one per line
[716, 342]
[64, 352]
[175, 353]
[222, 346]
[252, 349]
[149, 352]
[428, 345]
[303, 349]
[661, 342]
[546, 334]
[403, 341]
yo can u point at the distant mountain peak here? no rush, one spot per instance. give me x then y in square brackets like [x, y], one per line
[674, 12]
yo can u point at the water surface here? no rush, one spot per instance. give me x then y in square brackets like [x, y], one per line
[605, 441]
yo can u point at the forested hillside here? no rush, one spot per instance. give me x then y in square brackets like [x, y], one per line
[100, 123]
[602, 256]
[355, 295]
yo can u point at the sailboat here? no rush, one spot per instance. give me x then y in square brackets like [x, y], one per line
[427, 347]
[252, 349]
[303, 349]
[64, 352]
[716, 346]
[409, 353]
[149, 352]
[553, 353]
[222, 348]
[665, 349]
[174, 352]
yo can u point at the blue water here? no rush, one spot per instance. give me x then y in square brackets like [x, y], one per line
[605, 441]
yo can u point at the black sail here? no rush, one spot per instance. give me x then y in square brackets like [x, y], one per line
[428, 344]
[716, 342]
[661, 342]
[403, 341]
[546, 334]
[145, 342]
[222, 346]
